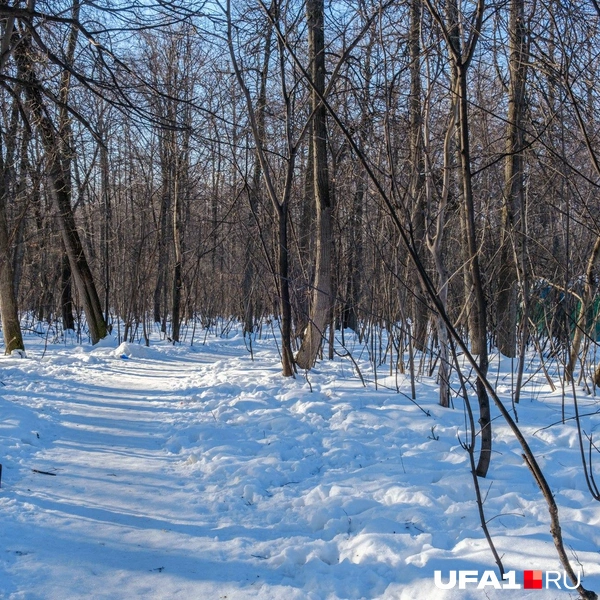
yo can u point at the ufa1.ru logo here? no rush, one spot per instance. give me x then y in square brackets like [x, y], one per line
[532, 580]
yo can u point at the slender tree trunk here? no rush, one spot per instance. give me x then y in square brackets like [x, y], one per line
[280, 206]
[248, 280]
[436, 245]
[479, 320]
[460, 58]
[253, 195]
[177, 252]
[355, 258]
[21, 196]
[66, 297]
[514, 197]
[286, 306]
[163, 251]
[106, 224]
[417, 180]
[320, 309]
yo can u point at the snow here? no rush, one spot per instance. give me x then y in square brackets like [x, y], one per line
[199, 472]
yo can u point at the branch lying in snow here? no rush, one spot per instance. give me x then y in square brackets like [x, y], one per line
[43, 472]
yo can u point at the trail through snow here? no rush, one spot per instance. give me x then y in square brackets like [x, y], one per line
[196, 473]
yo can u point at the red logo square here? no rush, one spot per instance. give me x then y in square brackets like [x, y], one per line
[532, 580]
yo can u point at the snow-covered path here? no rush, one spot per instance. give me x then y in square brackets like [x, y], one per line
[112, 517]
[199, 474]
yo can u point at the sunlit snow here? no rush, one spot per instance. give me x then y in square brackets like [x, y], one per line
[197, 472]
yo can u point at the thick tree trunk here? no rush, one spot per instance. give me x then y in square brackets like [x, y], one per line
[11, 328]
[9, 313]
[306, 238]
[80, 270]
[321, 303]
[60, 192]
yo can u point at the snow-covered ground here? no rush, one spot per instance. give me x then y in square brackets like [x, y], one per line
[199, 473]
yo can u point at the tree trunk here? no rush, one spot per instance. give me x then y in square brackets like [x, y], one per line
[436, 245]
[506, 301]
[66, 297]
[320, 309]
[479, 316]
[417, 177]
[177, 251]
[82, 275]
[21, 194]
[460, 57]
[163, 251]
[287, 358]
[11, 328]
[355, 256]
[60, 192]
[106, 223]
[280, 206]
[9, 313]
[248, 281]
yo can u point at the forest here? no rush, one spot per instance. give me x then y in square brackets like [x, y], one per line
[422, 173]
[406, 166]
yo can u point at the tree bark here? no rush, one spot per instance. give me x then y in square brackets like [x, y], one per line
[66, 297]
[417, 179]
[9, 313]
[107, 220]
[60, 190]
[514, 197]
[11, 327]
[479, 320]
[321, 300]
[177, 268]
[163, 251]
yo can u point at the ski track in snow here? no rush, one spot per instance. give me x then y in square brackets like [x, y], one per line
[196, 473]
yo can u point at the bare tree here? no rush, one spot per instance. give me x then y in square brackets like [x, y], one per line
[321, 303]
[461, 54]
[514, 188]
[281, 201]
[55, 141]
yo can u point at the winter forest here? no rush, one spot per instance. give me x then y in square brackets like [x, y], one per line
[400, 196]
